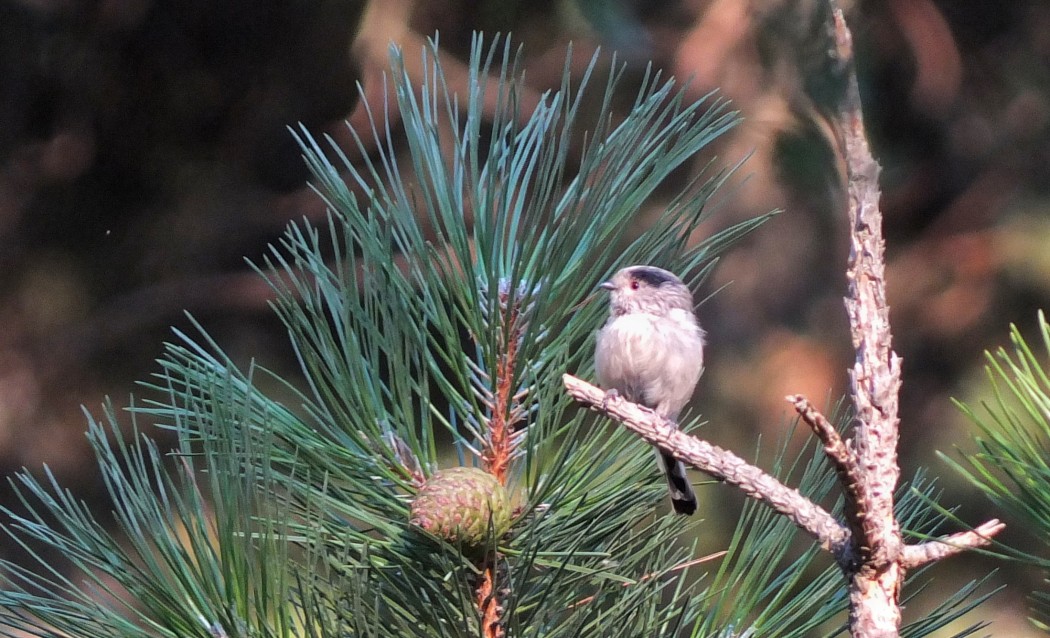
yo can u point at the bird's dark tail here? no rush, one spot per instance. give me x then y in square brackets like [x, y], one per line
[683, 499]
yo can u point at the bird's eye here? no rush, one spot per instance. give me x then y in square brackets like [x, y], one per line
[635, 285]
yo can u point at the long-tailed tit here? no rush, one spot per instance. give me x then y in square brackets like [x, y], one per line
[651, 351]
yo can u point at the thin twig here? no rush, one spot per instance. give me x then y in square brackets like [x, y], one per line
[500, 443]
[834, 446]
[837, 451]
[677, 568]
[938, 549]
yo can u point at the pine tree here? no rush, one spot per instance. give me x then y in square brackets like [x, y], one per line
[433, 317]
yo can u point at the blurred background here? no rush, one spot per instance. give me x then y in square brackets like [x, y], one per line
[144, 155]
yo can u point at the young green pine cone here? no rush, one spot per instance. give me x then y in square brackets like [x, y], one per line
[459, 504]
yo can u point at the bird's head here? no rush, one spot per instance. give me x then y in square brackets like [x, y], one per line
[647, 289]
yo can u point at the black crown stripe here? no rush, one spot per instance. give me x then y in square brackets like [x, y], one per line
[651, 276]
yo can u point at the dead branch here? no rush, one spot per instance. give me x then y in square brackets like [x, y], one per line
[930, 551]
[721, 464]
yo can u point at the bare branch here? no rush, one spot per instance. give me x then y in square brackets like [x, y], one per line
[876, 372]
[875, 581]
[834, 446]
[842, 458]
[721, 464]
[882, 558]
[930, 551]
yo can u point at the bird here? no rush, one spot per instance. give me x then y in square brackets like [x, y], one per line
[651, 351]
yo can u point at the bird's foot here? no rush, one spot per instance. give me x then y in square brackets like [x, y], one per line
[612, 393]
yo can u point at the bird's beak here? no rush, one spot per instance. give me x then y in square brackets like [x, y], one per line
[607, 285]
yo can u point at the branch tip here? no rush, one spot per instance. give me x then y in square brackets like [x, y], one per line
[941, 548]
[835, 448]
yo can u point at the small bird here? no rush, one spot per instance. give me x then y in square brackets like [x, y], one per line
[651, 351]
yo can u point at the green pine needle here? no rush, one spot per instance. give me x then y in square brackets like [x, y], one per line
[1012, 463]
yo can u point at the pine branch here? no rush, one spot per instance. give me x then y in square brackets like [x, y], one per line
[842, 458]
[875, 378]
[502, 391]
[723, 465]
[447, 301]
[489, 607]
[931, 551]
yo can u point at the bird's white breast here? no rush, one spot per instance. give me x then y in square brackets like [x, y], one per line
[655, 360]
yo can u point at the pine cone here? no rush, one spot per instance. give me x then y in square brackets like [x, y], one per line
[459, 504]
